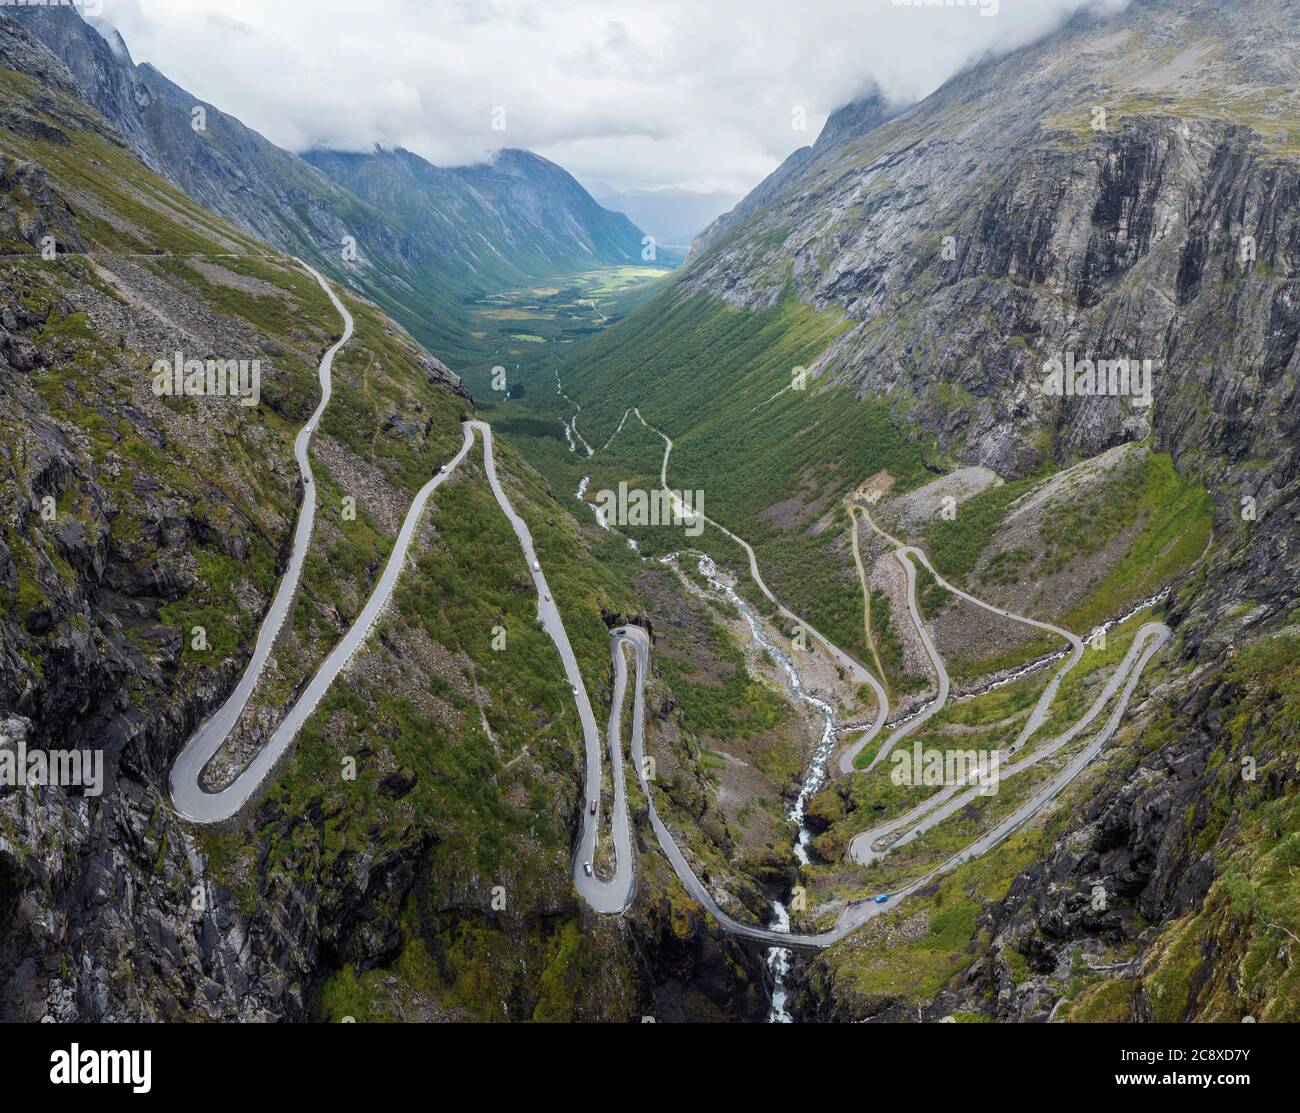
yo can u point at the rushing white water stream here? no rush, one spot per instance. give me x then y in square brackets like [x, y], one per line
[581, 496]
[571, 425]
[598, 510]
[778, 959]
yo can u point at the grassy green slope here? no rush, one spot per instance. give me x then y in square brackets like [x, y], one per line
[717, 381]
[775, 465]
[442, 811]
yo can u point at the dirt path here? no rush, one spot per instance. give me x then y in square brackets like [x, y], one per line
[866, 594]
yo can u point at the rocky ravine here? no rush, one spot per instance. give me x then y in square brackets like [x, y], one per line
[995, 226]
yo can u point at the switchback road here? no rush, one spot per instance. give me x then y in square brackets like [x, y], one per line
[614, 894]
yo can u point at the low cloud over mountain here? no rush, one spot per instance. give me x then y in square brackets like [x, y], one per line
[639, 95]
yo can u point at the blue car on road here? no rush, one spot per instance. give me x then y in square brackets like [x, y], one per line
[883, 899]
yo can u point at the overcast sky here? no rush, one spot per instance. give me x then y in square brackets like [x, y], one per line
[635, 93]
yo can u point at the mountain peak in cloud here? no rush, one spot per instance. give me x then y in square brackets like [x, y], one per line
[701, 103]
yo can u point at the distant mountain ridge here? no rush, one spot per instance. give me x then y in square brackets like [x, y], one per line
[429, 240]
[514, 218]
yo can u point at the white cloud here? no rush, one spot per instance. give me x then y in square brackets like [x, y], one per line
[674, 92]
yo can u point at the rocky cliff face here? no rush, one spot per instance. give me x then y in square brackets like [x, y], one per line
[1129, 188]
[101, 69]
[130, 521]
[844, 126]
[228, 168]
[1090, 196]
[991, 228]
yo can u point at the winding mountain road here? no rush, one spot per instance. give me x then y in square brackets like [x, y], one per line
[869, 846]
[614, 895]
[866, 847]
[850, 754]
[860, 674]
[197, 804]
[1150, 639]
[190, 799]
